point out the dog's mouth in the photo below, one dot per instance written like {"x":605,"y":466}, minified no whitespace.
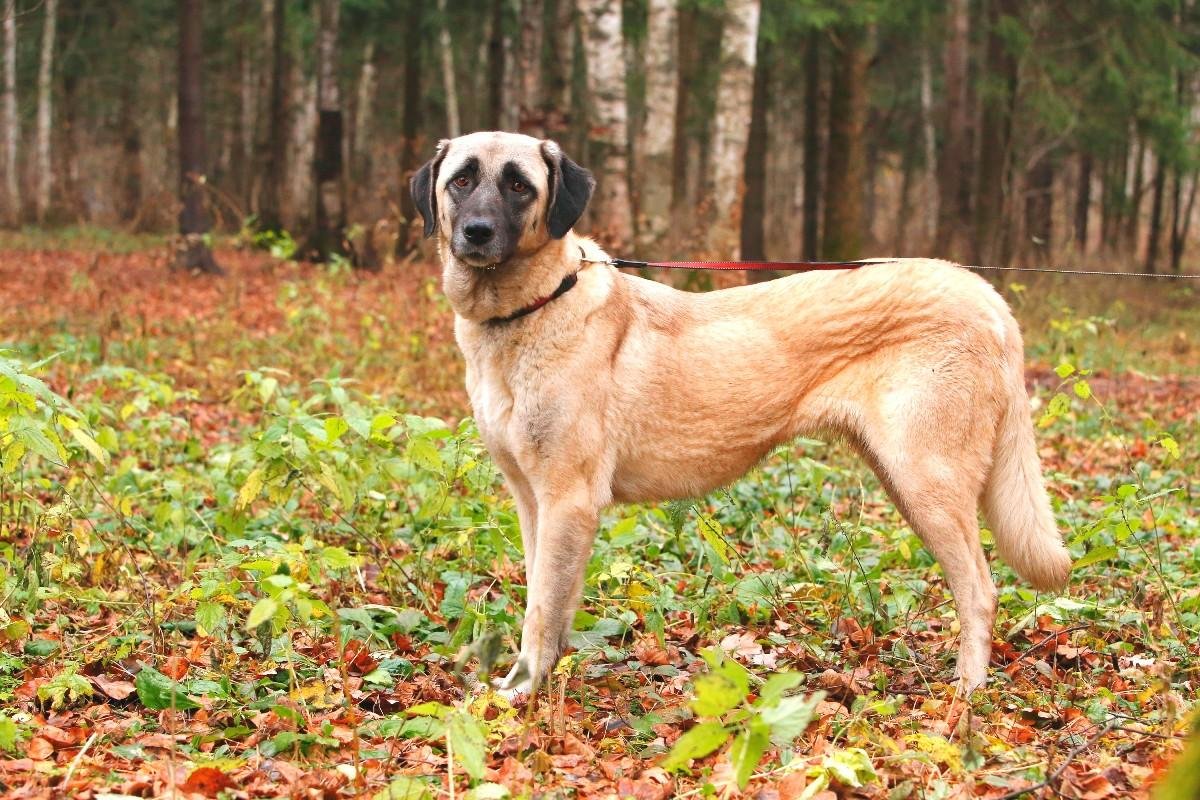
{"x":477,"y":259}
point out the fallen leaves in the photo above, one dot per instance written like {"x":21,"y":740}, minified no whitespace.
{"x":884,"y":665}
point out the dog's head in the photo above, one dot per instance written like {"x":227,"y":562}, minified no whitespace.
{"x":494,"y":195}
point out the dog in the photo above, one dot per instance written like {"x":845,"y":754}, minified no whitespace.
{"x":591,"y":386}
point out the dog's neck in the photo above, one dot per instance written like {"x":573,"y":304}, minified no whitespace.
{"x":481,"y":294}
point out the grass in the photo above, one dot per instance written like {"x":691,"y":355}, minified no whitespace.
{"x":284,"y":535}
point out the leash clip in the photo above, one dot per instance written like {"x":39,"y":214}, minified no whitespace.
{"x":583,"y":259}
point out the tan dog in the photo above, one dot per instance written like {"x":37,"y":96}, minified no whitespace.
{"x":591,"y":386}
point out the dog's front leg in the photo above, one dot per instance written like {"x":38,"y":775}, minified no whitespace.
{"x":566,"y":527}
{"x":527,"y":516}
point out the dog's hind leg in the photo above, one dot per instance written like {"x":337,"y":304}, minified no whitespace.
{"x":938,"y":492}
{"x":566,"y":528}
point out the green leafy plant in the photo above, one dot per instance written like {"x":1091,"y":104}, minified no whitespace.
{"x":722,"y":701}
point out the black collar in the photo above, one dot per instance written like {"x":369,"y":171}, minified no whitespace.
{"x":568,"y":283}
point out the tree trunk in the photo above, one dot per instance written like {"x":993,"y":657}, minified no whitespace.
{"x":193,"y":217}
{"x":608,"y":145}
{"x":41,"y":196}
{"x":1039,"y":207}
{"x":530,"y":117}
{"x":1113,"y":198}
{"x":446,"y":47}
{"x":70,"y":191}
{"x":362,"y":118}
{"x":846,"y":153}
{"x":1176,"y":218}
{"x":731,"y":122}
{"x":953,"y":169}
{"x":754,"y":204}
{"x":1137,"y":191}
{"x":929,"y":140}
{"x":1156,"y":214}
{"x":130,"y":202}
{"x":273,"y":148}
{"x":812,"y":147}
{"x":686,"y":56}
{"x":1083,"y":201}
{"x":496,"y":63}
{"x":12,"y":125}
{"x":904,"y":206}
{"x":659,"y":125}
{"x":248,"y":116}
{"x":329,"y":214}
{"x":409,"y":156}
{"x":995,"y":140}
{"x":1184,"y":225}
{"x":560,"y":45}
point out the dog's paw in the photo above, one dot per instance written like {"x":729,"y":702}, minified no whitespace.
{"x":969,"y":682}
{"x":517,"y":685}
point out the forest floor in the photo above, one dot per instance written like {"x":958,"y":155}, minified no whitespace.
{"x":251,"y":546}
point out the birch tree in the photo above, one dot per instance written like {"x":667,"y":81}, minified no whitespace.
{"x":41,"y":197}
{"x":731,"y":123}
{"x":658,"y":128}
{"x":362,"y":113}
{"x":12,"y":131}
{"x":608,"y":148}
{"x":453,"y":125}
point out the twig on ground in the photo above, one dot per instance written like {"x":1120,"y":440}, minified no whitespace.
{"x":78,"y":757}
{"x":1054,"y":635}
{"x":1057,"y":773}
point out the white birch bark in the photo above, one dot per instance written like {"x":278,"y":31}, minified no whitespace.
{"x":296,"y":201}
{"x":731,"y":127}
{"x":608,"y":135}
{"x":12,"y":131}
{"x":41,"y":196}
{"x":453,"y":124}
{"x":366,"y":97}
{"x":658,"y":128}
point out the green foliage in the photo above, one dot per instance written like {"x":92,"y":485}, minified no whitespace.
{"x":723,"y":696}
{"x":320,"y":507}
{"x":65,"y":688}
{"x":156,"y":691}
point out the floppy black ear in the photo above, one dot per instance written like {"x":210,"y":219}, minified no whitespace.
{"x":570,"y":189}
{"x":423,"y":187}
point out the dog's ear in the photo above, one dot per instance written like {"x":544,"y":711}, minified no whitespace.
{"x":423,"y":187}
{"x":570,"y":189}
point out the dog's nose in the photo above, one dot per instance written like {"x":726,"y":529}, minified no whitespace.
{"x":478,"y":232}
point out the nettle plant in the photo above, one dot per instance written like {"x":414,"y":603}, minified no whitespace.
{"x":43,"y":438}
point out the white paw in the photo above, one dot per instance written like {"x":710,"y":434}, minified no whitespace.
{"x":970,"y":681}
{"x":518,"y":683}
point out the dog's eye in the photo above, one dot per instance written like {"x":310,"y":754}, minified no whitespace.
{"x":518,"y":187}
{"x":462,"y":181}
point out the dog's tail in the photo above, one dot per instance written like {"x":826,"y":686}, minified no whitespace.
{"x":1014,"y":498}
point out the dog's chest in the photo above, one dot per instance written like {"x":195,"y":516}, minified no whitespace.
{"x":506,"y":398}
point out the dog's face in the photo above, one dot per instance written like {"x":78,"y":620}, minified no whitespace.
{"x":495,"y":195}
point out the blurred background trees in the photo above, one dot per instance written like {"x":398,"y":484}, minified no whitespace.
{"x":992,"y":130}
